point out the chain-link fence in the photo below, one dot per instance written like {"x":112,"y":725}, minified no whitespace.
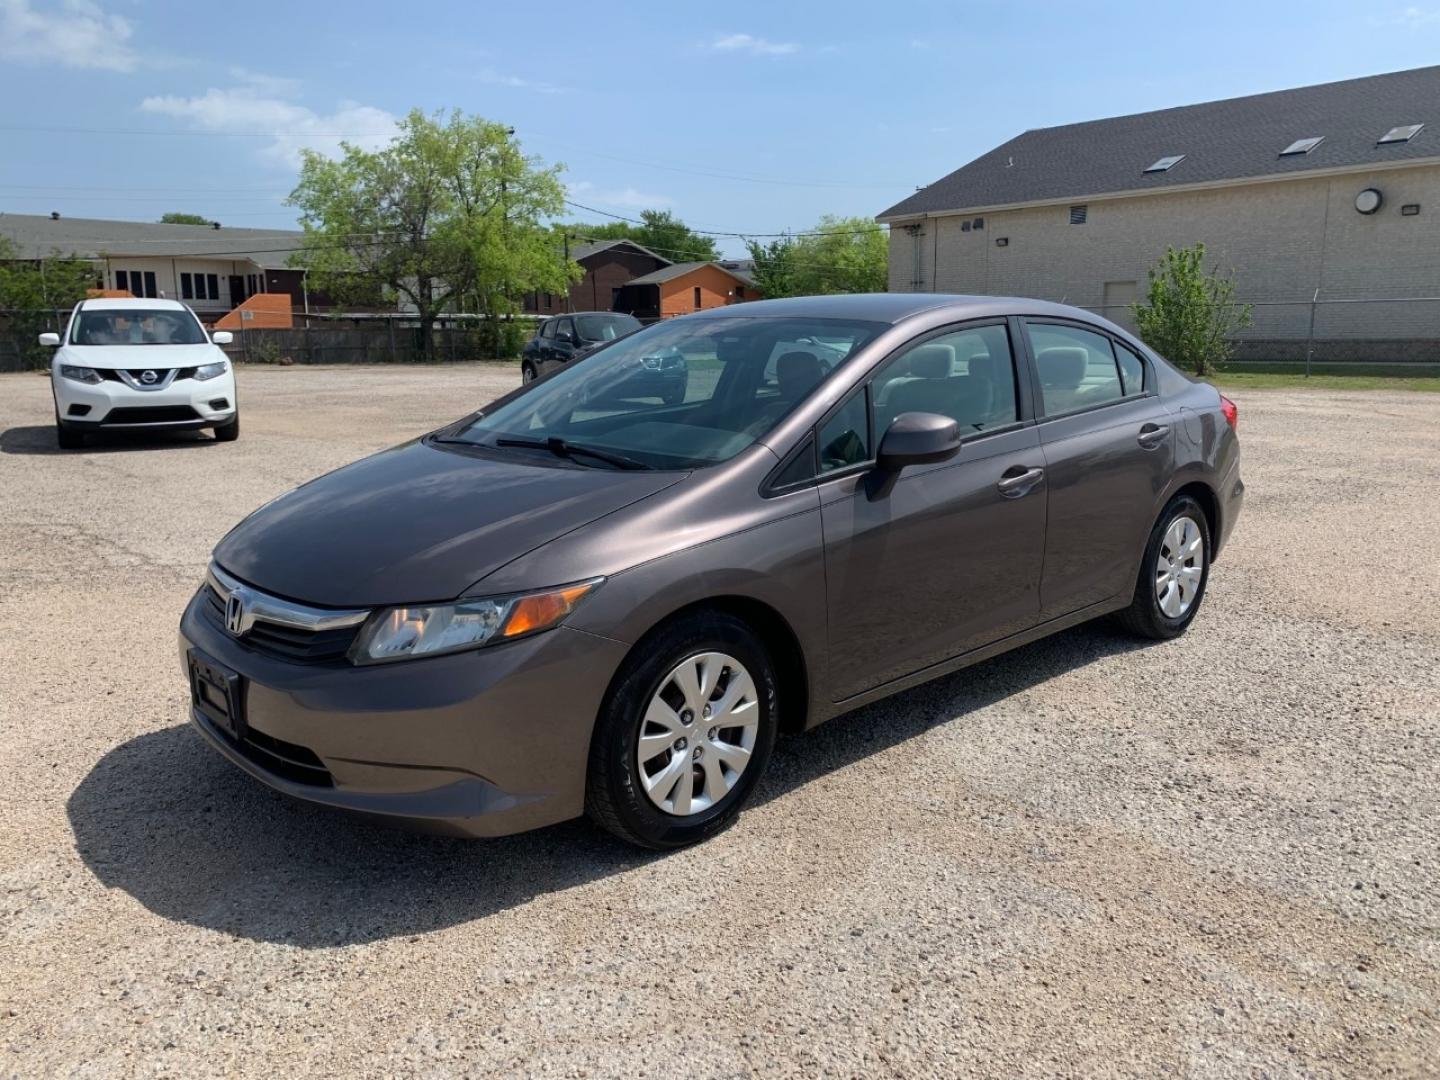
{"x":1360,"y":331}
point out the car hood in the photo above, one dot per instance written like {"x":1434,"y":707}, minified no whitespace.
{"x":419,"y":522}
{"x":135,"y":357}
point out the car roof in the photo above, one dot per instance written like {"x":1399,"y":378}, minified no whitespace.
{"x":129,"y":304}
{"x":894,"y":307}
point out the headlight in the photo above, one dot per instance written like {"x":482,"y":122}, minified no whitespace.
{"x":210,"y":371}
{"x":80,"y":374}
{"x":434,"y":629}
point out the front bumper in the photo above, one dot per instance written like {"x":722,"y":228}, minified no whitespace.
{"x":90,"y":406}
{"x":481,"y":743}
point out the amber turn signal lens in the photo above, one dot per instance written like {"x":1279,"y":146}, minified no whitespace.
{"x":543,"y":609}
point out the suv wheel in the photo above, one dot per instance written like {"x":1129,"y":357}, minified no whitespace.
{"x":67,"y":437}
{"x":228,"y":432}
{"x":685,"y":733}
{"x":527,"y":372}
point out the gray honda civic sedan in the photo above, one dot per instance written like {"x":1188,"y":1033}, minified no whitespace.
{"x":581,"y":599}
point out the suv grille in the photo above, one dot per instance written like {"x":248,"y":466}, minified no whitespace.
{"x":287,"y":640}
{"x":151,"y":414}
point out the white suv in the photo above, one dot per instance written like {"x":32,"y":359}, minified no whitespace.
{"x":140,"y":365}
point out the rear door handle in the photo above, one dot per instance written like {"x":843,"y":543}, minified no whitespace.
{"x":1152,"y":435}
{"x":1019,"y":481}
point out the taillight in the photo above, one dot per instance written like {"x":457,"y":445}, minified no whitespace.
{"x":1232,"y":414}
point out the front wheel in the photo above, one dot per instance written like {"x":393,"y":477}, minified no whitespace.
{"x":684,"y":734}
{"x":527,"y":372}
{"x":1173,"y":573}
{"x":228,"y":432}
{"x":67,"y":437}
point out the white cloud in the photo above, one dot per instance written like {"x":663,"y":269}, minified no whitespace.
{"x":290,"y":125}
{"x":498,"y":78}
{"x":74,"y":34}
{"x":274,"y":85}
{"x":625,"y":197}
{"x":1415,"y":17}
{"x":755,"y":46}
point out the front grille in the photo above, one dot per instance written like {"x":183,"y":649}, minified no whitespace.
{"x":151,"y":414}
{"x":286,"y":642}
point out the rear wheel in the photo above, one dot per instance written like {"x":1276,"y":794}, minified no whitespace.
{"x":685,"y":733}
{"x":228,"y":432}
{"x":1173,"y":573}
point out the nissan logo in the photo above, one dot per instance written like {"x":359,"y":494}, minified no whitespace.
{"x":149,"y":377}
{"x":238,"y":619}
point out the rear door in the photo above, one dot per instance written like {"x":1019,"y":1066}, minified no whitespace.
{"x":950,"y":559}
{"x":1109,"y":452}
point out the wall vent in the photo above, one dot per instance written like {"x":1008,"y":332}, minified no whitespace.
{"x":1077,"y":214}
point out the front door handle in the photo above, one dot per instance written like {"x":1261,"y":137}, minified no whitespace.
{"x":1019,"y":481}
{"x":1152,"y":435}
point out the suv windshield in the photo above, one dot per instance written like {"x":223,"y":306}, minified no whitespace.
{"x":136,"y":326}
{"x":676,"y":395}
{"x":605,"y":327}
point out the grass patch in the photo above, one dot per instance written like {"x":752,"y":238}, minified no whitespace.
{"x":1422,"y":379}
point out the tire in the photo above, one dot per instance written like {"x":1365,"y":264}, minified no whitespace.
{"x":1146,"y":616}
{"x":67,"y":437}
{"x":673,"y":395}
{"x":228,"y":432}
{"x":616,"y":795}
{"x":527,"y":373}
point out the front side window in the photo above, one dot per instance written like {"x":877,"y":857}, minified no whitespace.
{"x":547,"y":330}
{"x":565,"y":330}
{"x":845,"y":437}
{"x":968,"y":375}
{"x":675,"y":395}
{"x":136,"y":326}
{"x":1076,"y":367}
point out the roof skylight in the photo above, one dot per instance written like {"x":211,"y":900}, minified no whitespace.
{"x":1302,"y":146}
{"x":1165,"y":164}
{"x":1403,"y":133}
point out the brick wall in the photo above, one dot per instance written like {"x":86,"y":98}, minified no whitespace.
{"x":1282,"y":240}
{"x":677,"y":296}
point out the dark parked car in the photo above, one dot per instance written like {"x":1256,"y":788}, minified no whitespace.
{"x":564,"y":338}
{"x":575,"y":602}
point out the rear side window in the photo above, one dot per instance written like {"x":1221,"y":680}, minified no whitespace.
{"x":547,"y":330}
{"x":1076,"y":367}
{"x":1132,"y":370}
{"x":968,"y":375}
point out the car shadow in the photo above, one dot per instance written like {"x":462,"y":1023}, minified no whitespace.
{"x":41,"y":440}
{"x":194,"y":840}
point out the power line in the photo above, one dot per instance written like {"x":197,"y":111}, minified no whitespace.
{"x":734,"y":235}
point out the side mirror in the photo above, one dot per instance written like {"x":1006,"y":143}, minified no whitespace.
{"x":913,"y":438}
{"x":52,"y":340}
{"x":222,"y":337}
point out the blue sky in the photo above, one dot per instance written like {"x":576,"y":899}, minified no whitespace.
{"x":738,"y":117}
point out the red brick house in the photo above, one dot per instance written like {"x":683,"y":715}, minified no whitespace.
{"x":609,"y":265}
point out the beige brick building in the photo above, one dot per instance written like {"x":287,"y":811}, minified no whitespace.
{"x":1079,"y":214}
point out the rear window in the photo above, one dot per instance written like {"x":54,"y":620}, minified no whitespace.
{"x":136,"y":326}
{"x":606,"y":327}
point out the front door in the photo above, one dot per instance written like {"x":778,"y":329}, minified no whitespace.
{"x":950,"y":559}
{"x":1109,"y":452}
{"x":237,"y":290}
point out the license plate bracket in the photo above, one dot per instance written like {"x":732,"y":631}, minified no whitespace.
{"x":217,"y":694}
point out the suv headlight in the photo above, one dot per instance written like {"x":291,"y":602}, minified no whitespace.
{"x":210,"y":371}
{"x":398,"y":633}
{"x":80,"y":374}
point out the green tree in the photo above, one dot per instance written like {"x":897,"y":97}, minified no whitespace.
{"x":659,"y":230}
{"x":449,"y":213}
{"x":183,"y":219}
{"x":840,"y":255}
{"x":36,"y":295}
{"x":1189,"y":316}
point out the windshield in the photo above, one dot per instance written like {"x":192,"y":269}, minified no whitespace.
{"x":605,"y":327}
{"x":137,"y":326}
{"x":676,"y":395}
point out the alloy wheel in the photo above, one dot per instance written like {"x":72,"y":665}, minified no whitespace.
{"x":698,"y":733}
{"x":1179,"y":567}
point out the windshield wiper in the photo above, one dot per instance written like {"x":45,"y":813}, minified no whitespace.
{"x":560,"y":448}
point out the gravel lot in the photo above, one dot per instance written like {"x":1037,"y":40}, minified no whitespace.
{"x":1215,"y":857}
